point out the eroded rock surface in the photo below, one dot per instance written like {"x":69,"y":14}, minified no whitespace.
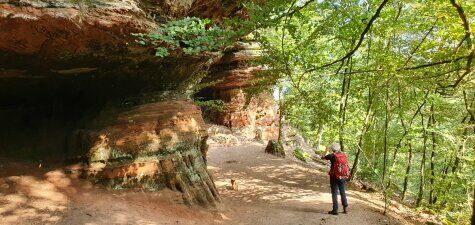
{"x":155,"y":146}
{"x":74,"y":36}
{"x":49,"y":44}
{"x":254,"y":116}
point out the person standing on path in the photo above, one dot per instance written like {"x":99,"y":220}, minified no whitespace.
{"x":338,"y":175}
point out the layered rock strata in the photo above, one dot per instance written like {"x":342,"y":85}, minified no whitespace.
{"x":253,"y":115}
{"x":154,"y":146}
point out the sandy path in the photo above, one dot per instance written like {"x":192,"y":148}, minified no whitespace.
{"x":271,"y":191}
{"x":280,"y":191}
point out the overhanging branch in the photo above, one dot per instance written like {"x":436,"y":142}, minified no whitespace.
{"x":360,"y":40}
{"x":469,"y":37}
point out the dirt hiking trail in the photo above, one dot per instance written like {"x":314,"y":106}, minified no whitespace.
{"x":271,"y":191}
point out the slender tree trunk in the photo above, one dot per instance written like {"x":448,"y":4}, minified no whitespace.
{"x":392,"y":166}
{"x":446,"y":168}
{"x":408,"y":167}
{"x":471,"y":111}
{"x":457,"y":158}
{"x":281,"y":116}
{"x":432,"y":198}
{"x":449,"y":164}
{"x":408,"y":171}
{"x":386,"y":124}
{"x":366,"y":123}
{"x":454,"y":166}
{"x":342,"y":106}
{"x":399,"y":144}
{"x":460,"y":152}
{"x":373,"y":156}
{"x":385,"y":160}
{"x":406,"y":132}
{"x":423,"y":161}
{"x":345,"y":90}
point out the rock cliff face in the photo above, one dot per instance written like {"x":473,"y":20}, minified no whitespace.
{"x":78,"y":36}
{"x":56,"y":43}
{"x":74,"y":85}
{"x":254,"y":115}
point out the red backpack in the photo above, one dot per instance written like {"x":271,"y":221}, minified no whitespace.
{"x":340,"y":168}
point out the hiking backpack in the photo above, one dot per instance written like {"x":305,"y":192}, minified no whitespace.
{"x":340,"y":168}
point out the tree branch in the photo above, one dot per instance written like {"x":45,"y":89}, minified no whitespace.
{"x":433,"y":63}
{"x":360,"y":40}
{"x":295,"y":10}
{"x":420,"y":43}
{"x":469,"y":37}
{"x":412,"y":68}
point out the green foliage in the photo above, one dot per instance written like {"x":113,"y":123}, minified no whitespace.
{"x":394,"y":97}
{"x":191,"y":35}
{"x":217,"y":105}
{"x":399,"y":90}
{"x":301,"y":155}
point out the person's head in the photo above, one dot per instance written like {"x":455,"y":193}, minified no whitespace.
{"x":335,"y":147}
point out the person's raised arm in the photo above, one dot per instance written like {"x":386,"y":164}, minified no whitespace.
{"x":324,"y":154}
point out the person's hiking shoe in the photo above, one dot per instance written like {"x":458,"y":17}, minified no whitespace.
{"x":345,"y":210}
{"x":333,"y":212}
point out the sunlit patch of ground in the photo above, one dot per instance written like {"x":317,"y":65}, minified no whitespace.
{"x":32,"y":195}
{"x":32,"y":200}
{"x":271,"y":190}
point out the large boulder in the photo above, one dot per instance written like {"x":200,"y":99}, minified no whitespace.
{"x":154,"y":146}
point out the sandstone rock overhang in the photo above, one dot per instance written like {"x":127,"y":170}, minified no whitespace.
{"x":66,"y":39}
{"x":73,"y":84}
{"x":43,"y":36}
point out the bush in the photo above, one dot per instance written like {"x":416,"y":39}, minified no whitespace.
{"x":301,"y":155}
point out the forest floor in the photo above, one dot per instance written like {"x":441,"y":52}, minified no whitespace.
{"x":271,"y":191}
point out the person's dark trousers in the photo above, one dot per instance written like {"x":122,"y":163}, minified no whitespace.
{"x":338,"y":185}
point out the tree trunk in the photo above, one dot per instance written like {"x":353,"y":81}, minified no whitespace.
{"x":385,"y":160}
{"x":449,"y":164}
{"x":406,"y":131}
{"x":471,"y":111}
{"x":461,"y":150}
{"x":423,"y":161}
{"x":386,"y":124}
{"x":408,"y":170}
{"x":345,"y":90}
{"x":281,"y":116}
{"x":366,"y":123}
{"x":432,"y":198}
{"x":454,"y":166}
